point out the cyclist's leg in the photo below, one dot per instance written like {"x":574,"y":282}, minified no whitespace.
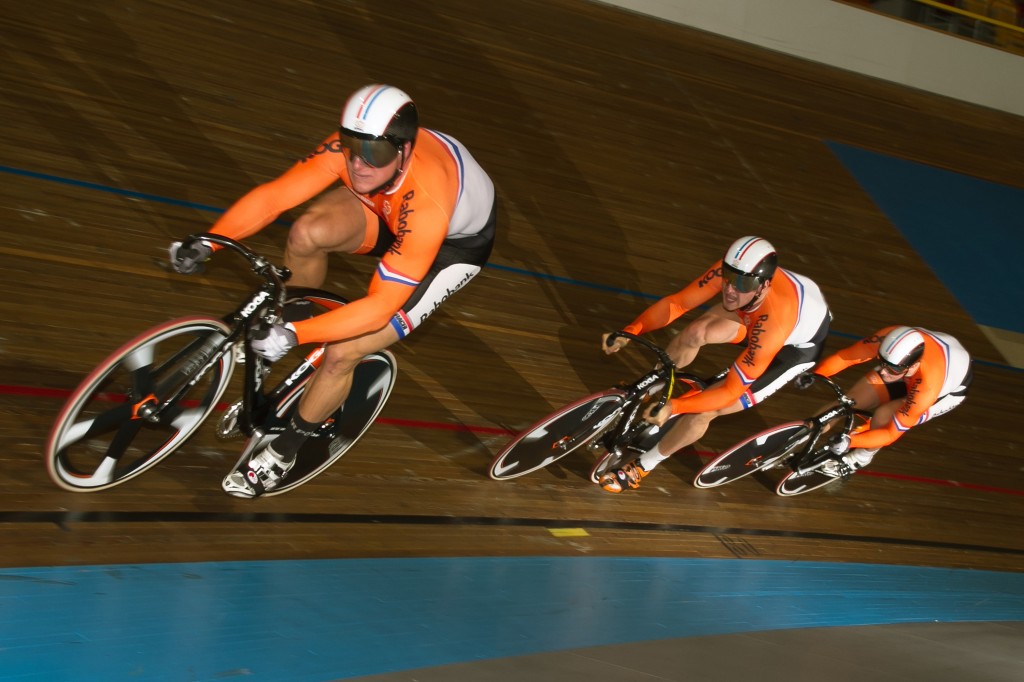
{"x":457,"y":262}
{"x":885,"y":400}
{"x":329,"y":387}
{"x":337,"y":222}
{"x":716,"y":326}
{"x":881,"y":399}
{"x":330,"y":384}
{"x":689,"y":428}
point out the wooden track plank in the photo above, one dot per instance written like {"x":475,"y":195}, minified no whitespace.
{"x":626,"y":153}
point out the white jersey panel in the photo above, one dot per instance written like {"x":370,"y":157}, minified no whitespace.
{"x":476,"y":191}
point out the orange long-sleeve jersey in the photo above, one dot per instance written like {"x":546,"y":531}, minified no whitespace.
{"x":791,"y":312}
{"x":442,"y":193}
{"x":943,"y":367}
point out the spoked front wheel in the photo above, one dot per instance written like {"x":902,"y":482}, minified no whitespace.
{"x":102,"y":437}
{"x":753,"y":454}
{"x":558,"y":434}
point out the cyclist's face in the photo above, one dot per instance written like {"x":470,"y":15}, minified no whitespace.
{"x":734,"y":299}
{"x":889,"y":375}
{"x":366,"y":178}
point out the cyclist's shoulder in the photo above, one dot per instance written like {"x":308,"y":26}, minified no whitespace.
{"x":328,"y":151}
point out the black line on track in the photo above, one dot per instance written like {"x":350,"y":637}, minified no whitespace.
{"x":63,"y":518}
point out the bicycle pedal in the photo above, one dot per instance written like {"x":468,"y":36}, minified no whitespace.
{"x":228,"y":427}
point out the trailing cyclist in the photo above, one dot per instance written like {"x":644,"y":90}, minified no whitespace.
{"x":411,"y":196}
{"x":780,"y":316}
{"x":920,"y":375}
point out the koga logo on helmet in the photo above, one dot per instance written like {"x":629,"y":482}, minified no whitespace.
{"x":254,"y":304}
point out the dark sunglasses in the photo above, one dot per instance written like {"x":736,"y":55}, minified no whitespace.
{"x":891,"y":369}
{"x":375,"y":152}
{"x":741,"y":282}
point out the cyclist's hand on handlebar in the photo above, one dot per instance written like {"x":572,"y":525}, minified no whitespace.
{"x":804,"y":381}
{"x":615,"y":346}
{"x":657,"y":416}
{"x":839,"y":444}
{"x":275,"y":341}
{"x":189,"y":261}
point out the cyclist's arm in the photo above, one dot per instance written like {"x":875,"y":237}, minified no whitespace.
{"x":263,"y":204}
{"x":398,"y":274}
{"x":749,"y":366}
{"x":922,"y":392}
{"x":673,"y":306}
{"x":723,"y":395}
{"x":863,"y":351}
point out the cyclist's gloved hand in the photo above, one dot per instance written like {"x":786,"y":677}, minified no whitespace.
{"x":804,"y":381}
{"x":839,"y":444}
{"x":275,"y":341}
{"x":189,"y":261}
{"x":657,"y":416}
{"x":615,"y":346}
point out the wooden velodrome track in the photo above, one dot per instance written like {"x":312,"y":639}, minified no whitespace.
{"x":627,"y":153}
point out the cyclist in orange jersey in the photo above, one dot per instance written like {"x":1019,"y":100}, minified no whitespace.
{"x":919,"y":375}
{"x":782,"y":318}
{"x":411,"y":196}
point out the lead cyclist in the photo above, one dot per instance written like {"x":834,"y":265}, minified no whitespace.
{"x":413,"y":197}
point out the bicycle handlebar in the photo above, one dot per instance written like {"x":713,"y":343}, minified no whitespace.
{"x":260,"y":265}
{"x":662,"y":355}
{"x":840,"y":394}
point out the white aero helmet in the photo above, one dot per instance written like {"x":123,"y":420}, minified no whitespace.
{"x":901,"y":348}
{"x":748,"y":263}
{"x":376,"y":122}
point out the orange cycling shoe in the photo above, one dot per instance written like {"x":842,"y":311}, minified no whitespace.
{"x":628,"y":476}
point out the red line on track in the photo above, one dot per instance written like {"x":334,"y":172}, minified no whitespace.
{"x":61,"y":393}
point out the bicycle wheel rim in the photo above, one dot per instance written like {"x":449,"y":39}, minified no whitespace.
{"x":534,"y":448}
{"x":753,"y":454}
{"x":97,"y":443}
{"x":373,"y":381}
{"x":796,"y":484}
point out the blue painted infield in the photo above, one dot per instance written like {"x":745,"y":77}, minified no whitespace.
{"x":331,"y":619}
{"x":969,"y":231}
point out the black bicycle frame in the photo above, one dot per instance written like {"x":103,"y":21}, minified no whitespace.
{"x":264,"y":305}
{"x":806,"y":459}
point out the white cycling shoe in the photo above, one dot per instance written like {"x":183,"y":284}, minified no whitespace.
{"x":261,"y":473}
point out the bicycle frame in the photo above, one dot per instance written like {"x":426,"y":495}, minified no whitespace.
{"x":811,"y":456}
{"x":265,"y":305}
{"x":630,"y":427}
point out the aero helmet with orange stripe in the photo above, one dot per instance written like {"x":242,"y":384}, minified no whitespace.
{"x":376,"y":122}
{"x":900,"y":349}
{"x":748,"y":263}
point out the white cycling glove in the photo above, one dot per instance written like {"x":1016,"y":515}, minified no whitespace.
{"x":804,"y":381}
{"x":839,"y":444}
{"x":274,"y":342}
{"x":189,"y":261}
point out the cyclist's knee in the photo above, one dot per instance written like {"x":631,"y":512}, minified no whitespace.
{"x":698,"y":420}
{"x":690,"y":339}
{"x":319,"y":230}
{"x":340,"y":359}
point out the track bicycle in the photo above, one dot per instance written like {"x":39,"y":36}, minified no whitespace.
{"x":151,"y":395}
{"x":798,"y":447}
{"x":608,"y":423}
